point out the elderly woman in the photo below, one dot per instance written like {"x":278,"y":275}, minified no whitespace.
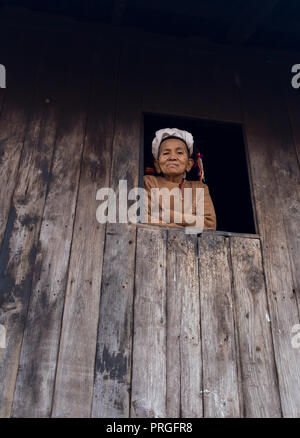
{"x":172,"y":149}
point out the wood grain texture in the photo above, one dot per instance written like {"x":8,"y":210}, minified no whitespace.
{"x":285,"y":162}
{"x":41,"y":338}
{"x":273,"y":172}
{"x":184,"y":362}
{"x":20,"y":207}
{"x":23,"y":69}
{"x":220,"y":374}
{"x":30,"y":192}
{"x":125,"y":320}
{"x":292,"y":100}
{"x":114,"y":344}
{"x":148,"y":397}
{"x":290,"y":172}
{"x":259,"y":374}
{"x":75,"y":369}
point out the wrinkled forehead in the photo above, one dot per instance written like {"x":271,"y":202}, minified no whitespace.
{"x":173,"y":143}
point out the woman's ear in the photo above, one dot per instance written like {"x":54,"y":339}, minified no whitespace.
{"x":157,"y":167}
{"x":190,"y":164}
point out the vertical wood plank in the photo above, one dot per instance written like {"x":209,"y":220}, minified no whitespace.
{"x":174,"y":313}
{"x":19,"y":172}
{"x":272,"y":163}
{"x":75,"y":369}
{"x":184,"y":362}
{"x":114,"y":345}
{"x":111,"y":396}
{"x":285,"y":163}
{"x":149,"y":342}
{"x":292,"y":100}
{"x":259,"y":378}
{"x":22,"y":68}
{"x":220,"y":375}
{"x":36,"y":375}
{"x":33,"y":176}
{"x":290,"y":172}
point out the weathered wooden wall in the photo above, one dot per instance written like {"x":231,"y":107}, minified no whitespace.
{"x":124,"y":320}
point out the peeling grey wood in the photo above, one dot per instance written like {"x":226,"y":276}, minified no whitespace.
{"x":20,"y":205}
{"x":75,"y":369}
{"x":290,"y":176}
{"x":174,"y":313}
{"x":220,"y":375}
{"x":15,"y":114}
{"x":111,"y":396}
{"x":184,"y":362}
{"x":41,"y":338}
{"x":258,"y":369}
{"x":29,"y":198}
{"x":15,"y":110}
{"x":266,"y":142}
{"x":292,"y":100}
{"x":148,"y":391}
{"x":286,"y":170}
{"x":114,"y":345}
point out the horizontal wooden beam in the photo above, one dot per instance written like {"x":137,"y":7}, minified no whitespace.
{"x":214,"y":232}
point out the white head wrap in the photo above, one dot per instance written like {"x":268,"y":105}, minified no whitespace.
{"x":162,"y":133}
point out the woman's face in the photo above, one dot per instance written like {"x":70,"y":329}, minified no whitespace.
{"x":173,"y":158}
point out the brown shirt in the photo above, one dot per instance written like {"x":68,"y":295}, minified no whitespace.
{"x":210,"y":222}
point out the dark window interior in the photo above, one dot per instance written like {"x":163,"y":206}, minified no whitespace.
{"x":224,"y":162}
